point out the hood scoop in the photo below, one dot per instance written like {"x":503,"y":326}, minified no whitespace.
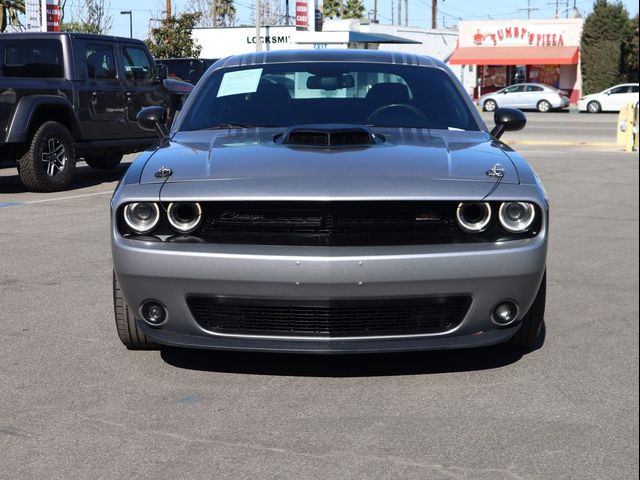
{"x":311,"y":136}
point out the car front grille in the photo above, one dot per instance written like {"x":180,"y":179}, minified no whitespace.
{"x":330,"y":223}
{"x":329,"y":318}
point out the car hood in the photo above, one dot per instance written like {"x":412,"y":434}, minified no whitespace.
{"x":251,"y":164}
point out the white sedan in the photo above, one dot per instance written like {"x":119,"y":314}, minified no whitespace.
{"x":538,"y":96}
{"x":610,"y":100}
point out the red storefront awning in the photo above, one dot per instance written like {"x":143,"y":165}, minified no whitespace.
{"x":515,"y":56}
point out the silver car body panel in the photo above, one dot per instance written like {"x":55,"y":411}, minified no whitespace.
{"x":223,"y":165}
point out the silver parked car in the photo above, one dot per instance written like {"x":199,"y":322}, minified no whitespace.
{"x":329,"y":201}
{"x":538,"y":96}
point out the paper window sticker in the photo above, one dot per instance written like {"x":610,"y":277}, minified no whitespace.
{"x":241,"y":81}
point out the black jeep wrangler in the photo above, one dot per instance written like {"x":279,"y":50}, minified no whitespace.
{"x":66,"y":96}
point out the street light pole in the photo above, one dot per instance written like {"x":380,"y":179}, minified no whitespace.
{"x":128,"y":12}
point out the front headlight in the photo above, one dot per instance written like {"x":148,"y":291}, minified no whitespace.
{"x":516,"y":217}
{"x":474,"y":217}
{"x":184,"y":217}
{"x":142,"y":217}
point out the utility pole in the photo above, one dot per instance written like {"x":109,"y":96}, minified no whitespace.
{"x":168,"y":9}
{"x":258,"y":41}
{"x":375,"y":11}
{"x":392,"y":19}
{"x":434,"y":14}
{"x":557,"y":4}
{"x":400,"y":12}
{"x":214,"y":13}
{"x":529,"y":9}
{"x":406,"y":13}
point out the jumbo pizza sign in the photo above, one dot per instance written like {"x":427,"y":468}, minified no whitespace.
{"x":529,"y":33}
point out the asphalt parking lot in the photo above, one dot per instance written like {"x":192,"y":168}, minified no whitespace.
{"x":74,"y":403}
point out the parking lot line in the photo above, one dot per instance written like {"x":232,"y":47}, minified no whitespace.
{"x":55,"y":199}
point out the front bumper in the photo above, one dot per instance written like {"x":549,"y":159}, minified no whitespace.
{"x":488,"y":273}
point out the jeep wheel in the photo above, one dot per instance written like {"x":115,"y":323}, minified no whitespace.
{"x":106,"y":161}
{"x":527,"y":336}
{"x":50,"y":162}
{"x":129,"y":333}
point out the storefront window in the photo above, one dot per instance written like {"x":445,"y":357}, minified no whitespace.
{"x":493,"y":76}
{"x":547,"y":74}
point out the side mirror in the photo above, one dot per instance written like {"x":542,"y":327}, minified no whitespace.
{"x":507,"y":120}
{"x":162,"y":71}
{"x":153,"y":119}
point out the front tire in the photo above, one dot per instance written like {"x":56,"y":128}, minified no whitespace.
{"x":490,"y":106}
{"x":544,"y":106}
{"x":49,"y":163}
{"x":107,"y":161}
{"x":594,"y":107}
{"x":528,"y":335}
{"x":129,"y":333}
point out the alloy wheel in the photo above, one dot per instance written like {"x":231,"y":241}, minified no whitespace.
{"x":54,"y":156}
{"x":593,"y":107}
{"x":489,"y":105}
{"x":544,"y":106}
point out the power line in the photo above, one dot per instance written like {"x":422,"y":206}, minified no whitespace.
{"x":529,"y":9}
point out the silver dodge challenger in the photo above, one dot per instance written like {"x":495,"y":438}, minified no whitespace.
{"x":329,"y":202}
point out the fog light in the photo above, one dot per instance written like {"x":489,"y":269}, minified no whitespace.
{"x":153,"y":312}
{"x":505,"y":312}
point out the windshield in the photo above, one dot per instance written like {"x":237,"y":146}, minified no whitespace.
{"x":281,"y":95}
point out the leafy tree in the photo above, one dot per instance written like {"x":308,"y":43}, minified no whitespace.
{"x":9,"y":10}
{"x":92,"y":17}
{"x":172,"y":39}
{"x":353,"y":9}
{"x":332,"y":8}
{"x":630,"y":53}
{"x":225,"y":12}
{"x":605,"y":33}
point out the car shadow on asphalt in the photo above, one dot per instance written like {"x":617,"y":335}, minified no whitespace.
{"x":83,"y":177}
{"x":354,"y":365}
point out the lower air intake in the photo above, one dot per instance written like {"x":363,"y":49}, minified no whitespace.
{"x":329,"y":318}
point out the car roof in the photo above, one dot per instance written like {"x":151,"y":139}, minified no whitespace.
{"x":183,"y":59}
{"x":347,"y":55}
{"x":87,"y":36}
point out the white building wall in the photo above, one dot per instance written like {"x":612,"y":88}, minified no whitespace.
{"x":440,"y":44}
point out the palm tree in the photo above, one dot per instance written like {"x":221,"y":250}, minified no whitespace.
{"x":9,"y":10}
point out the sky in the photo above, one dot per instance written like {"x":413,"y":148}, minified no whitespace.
{"x":450,"y":11}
